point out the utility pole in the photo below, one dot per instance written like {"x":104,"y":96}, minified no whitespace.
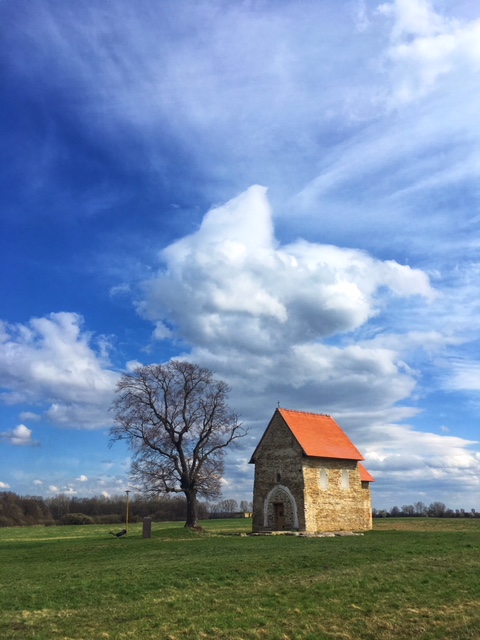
{"x":128,"y":502}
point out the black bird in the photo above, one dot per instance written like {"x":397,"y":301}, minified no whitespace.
{"x":121,"y":533}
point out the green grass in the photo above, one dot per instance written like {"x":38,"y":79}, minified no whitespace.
{"x":416,"y":578}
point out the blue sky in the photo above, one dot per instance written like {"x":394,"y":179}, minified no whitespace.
{"x":285,"y":192}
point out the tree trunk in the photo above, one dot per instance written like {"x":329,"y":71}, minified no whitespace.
{"x":192,"y":515}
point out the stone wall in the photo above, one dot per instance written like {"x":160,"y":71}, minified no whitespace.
{"x":335,"y":497}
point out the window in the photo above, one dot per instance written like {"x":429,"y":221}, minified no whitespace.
{"x":345,"y":479}
{"x":279,"y":476}
{"x":323,"y":479}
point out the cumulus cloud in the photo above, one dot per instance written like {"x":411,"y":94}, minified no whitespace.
{"x":231,"y":284}
{"x":21,"y":436}
{"x":250,"y":308}
{"x":82,"y":478}
{"x":51,"y":361}
{"x":4,"y":485}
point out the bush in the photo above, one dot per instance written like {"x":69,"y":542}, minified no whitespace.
{"x":76,"y":518}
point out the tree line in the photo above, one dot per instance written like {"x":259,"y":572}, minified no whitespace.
{"x":19,"y":511}
{"x":421,"y":510}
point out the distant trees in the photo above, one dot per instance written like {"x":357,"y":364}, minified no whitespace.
{"x":19,"y":511}
{"x":226,"y":506}
{"x":419,"y":509}
{"x":176,"y":420}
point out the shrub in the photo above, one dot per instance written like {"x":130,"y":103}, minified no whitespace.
{"x":76,"y":518}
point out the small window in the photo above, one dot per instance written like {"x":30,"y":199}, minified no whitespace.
{"x":345,"y":479}
{"x":323,"y":479}
{"x":279,"y":476}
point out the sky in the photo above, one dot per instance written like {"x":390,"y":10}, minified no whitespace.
{"x":286,"y":192}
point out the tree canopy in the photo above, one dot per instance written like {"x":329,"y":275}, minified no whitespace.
{"x":176,"y":419}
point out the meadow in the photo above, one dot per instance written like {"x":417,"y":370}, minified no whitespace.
{"x":408,"y":578}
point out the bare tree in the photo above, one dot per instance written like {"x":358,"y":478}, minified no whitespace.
{"x":420,"y":508}
{"x":176,"y":419}
{"x":437,"y":510}
{"x":228,"y":506}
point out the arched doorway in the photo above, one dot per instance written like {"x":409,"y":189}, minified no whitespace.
{"x":280,"y":510}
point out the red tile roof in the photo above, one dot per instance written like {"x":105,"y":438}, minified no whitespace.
{"x":320,"y":436}
{"x":364,"y":475}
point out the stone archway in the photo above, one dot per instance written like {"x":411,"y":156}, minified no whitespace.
{"x":280,"y":509}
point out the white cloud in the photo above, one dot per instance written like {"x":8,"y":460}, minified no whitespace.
{"x":82,"y":478}
{"x":29,"y":415}
{"x":21,"y":436}
{"x":51,"y":361}
{"x":231,"y":285}
{"x":251,"y":308}
{"x":122,"y":289}
{"x":426,"y":45}
{"x":53,"y":489}
{"x":463,"y":375}
{"x":4,"y":485}
{"x":406,"y":462}
{"x":131,"y":365}
{"x":38,"y":483}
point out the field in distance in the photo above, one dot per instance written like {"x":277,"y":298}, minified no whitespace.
{"x":409,"y":578}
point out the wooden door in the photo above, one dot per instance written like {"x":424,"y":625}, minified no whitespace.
{"x":279,"y":516}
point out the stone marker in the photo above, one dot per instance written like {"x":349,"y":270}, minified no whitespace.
{"x":147,"y":527}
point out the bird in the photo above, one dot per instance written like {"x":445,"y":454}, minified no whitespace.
{"x":121,"y":533}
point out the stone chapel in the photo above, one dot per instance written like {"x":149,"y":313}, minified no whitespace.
{"x":308,"y":477}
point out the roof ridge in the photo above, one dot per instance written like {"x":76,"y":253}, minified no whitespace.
{"x":310,"y":413}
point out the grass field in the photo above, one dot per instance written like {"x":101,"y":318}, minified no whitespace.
{"x":416,"y":578}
